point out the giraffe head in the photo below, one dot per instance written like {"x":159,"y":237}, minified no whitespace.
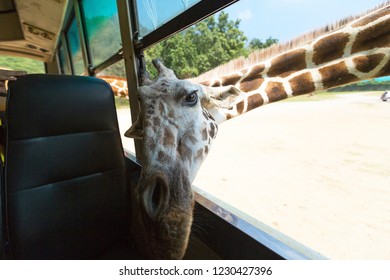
{"x":177,"y":123}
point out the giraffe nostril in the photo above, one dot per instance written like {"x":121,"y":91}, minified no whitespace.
{"x":156,"y":196}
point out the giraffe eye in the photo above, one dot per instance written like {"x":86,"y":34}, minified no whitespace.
{"x":191,"y":98}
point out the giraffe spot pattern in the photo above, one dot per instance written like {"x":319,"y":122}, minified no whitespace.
{"x":156,"y":121}
{"x":168,"y":139}
{"x":335,"y":75}
{"x":288,"y":63}
{"x":367,"y":63}
{"x":185,"y":151}
{"x":205,"y":135}
{"x":302,"y":84}
{"x":212,"y":130}
{"x":275,"y":91}
{"x":254,"y":101}
{"x":253,"y":79}
{"x":330,"y":47}
{"x":199,"y":154}
{"x":377,"y":36}
{"x":230,"y":80}
{"x":385,"y":71}
{"x":162,"y":157}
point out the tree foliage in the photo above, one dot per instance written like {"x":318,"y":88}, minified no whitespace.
{"x":201,"y":47}
{"x":256,"y":43}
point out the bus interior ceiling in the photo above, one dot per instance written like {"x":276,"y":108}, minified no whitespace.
{"x":32,"y":28}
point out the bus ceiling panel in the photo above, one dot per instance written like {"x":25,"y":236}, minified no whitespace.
{"x":40,"y":22}
{"x":6,"y":6}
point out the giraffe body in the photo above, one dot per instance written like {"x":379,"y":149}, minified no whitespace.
{"x":118,"y":85}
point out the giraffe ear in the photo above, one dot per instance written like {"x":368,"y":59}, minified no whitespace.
{"x":223,"y":97}
{"x":136,"y":130}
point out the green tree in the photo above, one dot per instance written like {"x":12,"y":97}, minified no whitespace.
{"x":201,"y":47}
{"x":256,"y":43}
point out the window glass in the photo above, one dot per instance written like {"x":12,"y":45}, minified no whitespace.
{"x":154,"y":13}
{"x":102,"y":24}
{"x":76,"y":55}
{"x":315,"y":167}
{"x":64,"y":61}
{"x":116,"y":77}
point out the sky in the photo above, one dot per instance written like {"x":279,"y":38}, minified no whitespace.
{"x":287,"y":19}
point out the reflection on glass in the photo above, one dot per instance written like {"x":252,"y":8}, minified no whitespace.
{"x":64,"y":63}
{"x":154,"y":13}
{"x":115,"y":75}
{"x":75,"y":49}
{"x":102,"y":28}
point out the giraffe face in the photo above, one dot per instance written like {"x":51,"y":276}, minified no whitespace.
{"x":176,"y":134}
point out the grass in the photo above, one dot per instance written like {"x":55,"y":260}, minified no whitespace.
{"x":22,"y":64}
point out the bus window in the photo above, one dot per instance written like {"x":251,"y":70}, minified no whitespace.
{"x":64,"y":60}
{"x":152,"y":14}
{"x":315,"y":168}
{"x":102,"y":28}
{"x":116,"y":77}
{"x":76,"y":55}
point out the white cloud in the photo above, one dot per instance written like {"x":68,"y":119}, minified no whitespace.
{"x":245,"y":14}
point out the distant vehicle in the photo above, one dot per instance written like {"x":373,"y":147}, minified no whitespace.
{"x":386,"y":96}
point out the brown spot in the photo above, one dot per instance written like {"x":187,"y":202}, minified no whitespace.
{"x":161,"y":108}
{"x":206,"y":83}
{"x":275,"y":91}
{"x":385,"y":71}
{"x":228,"y":117}
{"x":168,"y":139}
{"x":162,"y":157}
{"x":285,"y":64}
{"x":171,"y":114}
{"x":204,"y":134}
{"x":206,"y":150}
{"x":231,"y":79}
{"x":216,"y":83}
{"x":253,"y":80}
{"x":156,"y":121}
{"x":254,"y":101}
{"x":240,"y":107}
{"x":367,"y":63}
{"x":330,"y":48}
{"x":372,"y":17}
{"x":212,"y":130}
{"x":150,"y":143}
{"x":199,"y":154}
{"x":336,"y":75}
{"x":376,"y":36}
{"x":185,"y":152}
{"x":302,"y":84}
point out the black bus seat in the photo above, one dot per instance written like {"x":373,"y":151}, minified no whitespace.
{"x":65,"y":182}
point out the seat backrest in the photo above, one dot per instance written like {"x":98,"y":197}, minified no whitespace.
{"x":66,"y":194}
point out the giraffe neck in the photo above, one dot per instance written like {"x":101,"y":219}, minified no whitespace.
{"x":358,"y":51}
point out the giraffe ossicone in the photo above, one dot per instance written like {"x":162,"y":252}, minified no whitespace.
{"x":177,"y":124}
